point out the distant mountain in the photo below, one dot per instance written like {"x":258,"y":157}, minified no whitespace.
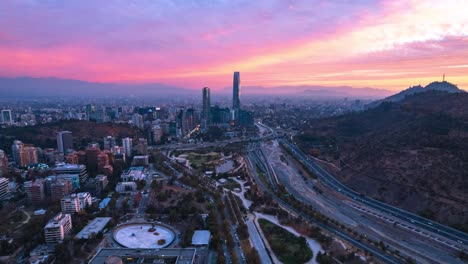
{"x":47,"y":87}
{"x":411,"y":153}
{"x":434,"y":86}
{"x":319,"y":92}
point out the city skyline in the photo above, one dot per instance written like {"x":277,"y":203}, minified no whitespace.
{"x":379,"y":44}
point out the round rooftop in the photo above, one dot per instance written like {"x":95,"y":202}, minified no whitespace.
{"x":144,"y":235}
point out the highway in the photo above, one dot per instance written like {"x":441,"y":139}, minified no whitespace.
{"x":330,"y":181}
{"x":376,"y":252}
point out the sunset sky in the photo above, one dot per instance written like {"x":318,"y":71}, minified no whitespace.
{"x":196,"y":43}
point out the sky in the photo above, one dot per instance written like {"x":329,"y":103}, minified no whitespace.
{"x":195,"y":43}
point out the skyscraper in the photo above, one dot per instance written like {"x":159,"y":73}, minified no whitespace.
{"x":206,"y":111}
{"x":7,"y":118}
{"x":64,"y":141}
{"x":236,"y":91}
{"x":127,"y":146}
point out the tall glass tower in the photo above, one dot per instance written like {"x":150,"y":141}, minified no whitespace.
{"x":236,"y":91}
{"x":206,"y":115}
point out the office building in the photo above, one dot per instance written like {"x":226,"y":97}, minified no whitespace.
{"x":127,"y":144}
{"x":236,"y":91}
{"x":137,"y":120}
{"x":64,"y":141}
{"x":64,"y":168}
{"x":35,"y":190}
{"x":4,"y":189}
{"x":73,"y":178}
{"x":70,"y":204}
{"x":109,"y":142}
{"x":57,"y":228}
{"x":7,"y":117}
{"x":206,"y":108}
{"x":3,"y":163}
{"x":60,"y":188}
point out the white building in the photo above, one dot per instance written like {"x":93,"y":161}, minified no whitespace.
{"x":85,"y":199}
{"x":125,"y":187}
{"x":127,"y":144}
{"x":57,"y":228}
{"x":70,"y":204}
{"x":4,"y":189}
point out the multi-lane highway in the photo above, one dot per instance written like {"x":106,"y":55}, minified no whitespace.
{"x":458,"y":238}
{"x":252,"y":163}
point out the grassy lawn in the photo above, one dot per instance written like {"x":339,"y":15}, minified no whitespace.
{"x":197,"y":159}
{"x":289,"y":248}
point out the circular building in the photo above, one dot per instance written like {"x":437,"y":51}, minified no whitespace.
{"x":144,"y":235}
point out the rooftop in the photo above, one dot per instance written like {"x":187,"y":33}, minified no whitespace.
{"x":201,"y":237}
{"x":183,"y":255}
{"x":94,"y":226}
{"x":57,"y":221}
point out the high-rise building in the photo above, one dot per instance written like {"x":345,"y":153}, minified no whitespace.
{"x":60,"y":188}
{"x":7,"y":117}
{"x":206,"y":108}
{"x":17,"y":149}
{"x":137,"y":120}
{"x":4,"y":189}
{"x":23,"y":154}
{"x":85,"y":199}
{"x":73,"y":169}
{"x":70,"y":204}
{"x":236,"y":90}
{"x":127,"y":144}
{"x":3,"y":163}
{"x":157,"y":133}
{"x":90,"y":110}
{"x":109,"y":142}
{"x":102,"y":161}
{"x":57,"y":228}
{"x":31,"y":155}
{"x":189,"y":121}
{"x":35,"y":190}
{"x":142,"y":146}
{"x":64,"y":141}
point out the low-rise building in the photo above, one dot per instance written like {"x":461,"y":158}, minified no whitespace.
{"x":125,"y":187}
{"x":93,"y":228}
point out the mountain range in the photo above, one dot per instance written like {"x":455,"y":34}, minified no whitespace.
{"x":47,"y":87}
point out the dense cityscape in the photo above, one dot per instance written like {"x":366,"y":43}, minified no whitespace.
{"x":233,"y":132}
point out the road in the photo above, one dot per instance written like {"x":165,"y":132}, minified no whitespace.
{"x":459,"y":238}
{"x":376,"y":252}
{"x":258,"y":242}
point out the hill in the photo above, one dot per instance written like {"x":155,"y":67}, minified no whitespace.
{"x":434,"y":86}
{"x":84,"y":132}
{"x":412,"y":153}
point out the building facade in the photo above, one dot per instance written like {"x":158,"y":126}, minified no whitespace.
{"x":57,"y":228}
